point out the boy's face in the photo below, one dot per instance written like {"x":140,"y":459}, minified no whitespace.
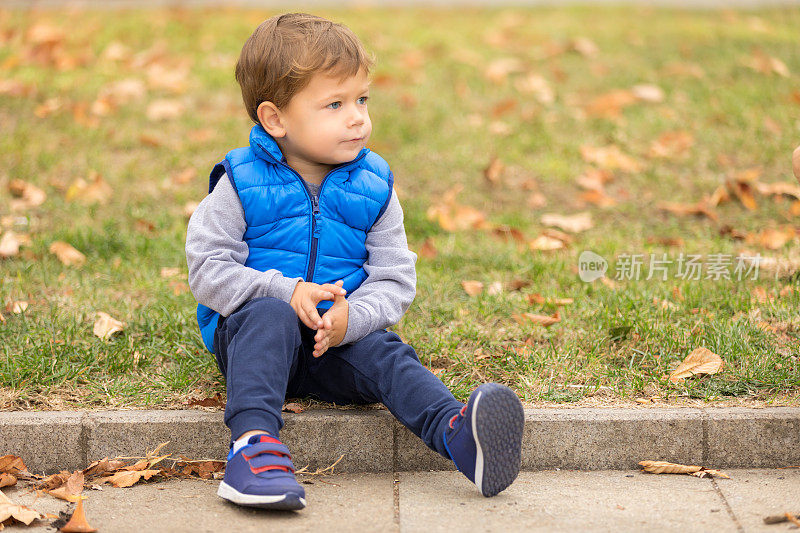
{"x":327,"y":123}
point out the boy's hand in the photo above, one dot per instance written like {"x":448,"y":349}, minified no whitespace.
{"x":306,"y":297}
{"x":335,"y":325}
{"x":796,"y":163}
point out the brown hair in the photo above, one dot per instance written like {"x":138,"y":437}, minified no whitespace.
{"x":285,"y":51}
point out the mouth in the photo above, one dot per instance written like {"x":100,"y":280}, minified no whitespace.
{"x":359,"y":139}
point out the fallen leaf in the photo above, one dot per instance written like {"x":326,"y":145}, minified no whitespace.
{"x":609,"y":158}
{"x":184,"y":176}
{"x":71,"y":490}
{"x":105,"y":326}
{"x":17,"y":307}
{"x":494,"y":171}
{"x":20,"y":513}
{"x":498,"y":70}
{"x":204,"y":469}
{"x":584,"y":46}
{"x":428,"y":249}
{"x":598,"y":198}
{"x":170,"y":272}
{"x":537,"y":298}
{"x":128,"y":478}
{"x":663,"y":467}
{"x":77,"y":522}
{"x":102,"y":466}
{"x":671,"y":144}
{"x":164,"y":110}
{"x":648,"y":93}
{"x":495,"y":288}
{"x":293,"y":407}
{"x":698,"y":209}
{"x":700,"y":361}
{"x":765,"y":64}
{"x":453,"y":216}
{"x":9,"y":244}
{"x":26,"y":195}
{"x":536,"y":85}
{"x":67,"y":254}
{"x":7,"y":480}
{"x":574,"y":223}
{"x":611,"y":104}
{"x":781,"y":188}
{"x":796,"y":163}
{"x":776,"y":238}
{"x":211,"y":401}
{"x":594,"y":179}
{"x":546,"y":243}
{"x":472,"y":287}
{"x":544,"y":320}
{"x":94,"y":191}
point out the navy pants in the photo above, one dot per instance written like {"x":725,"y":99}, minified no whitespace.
{"x":265,"y":353}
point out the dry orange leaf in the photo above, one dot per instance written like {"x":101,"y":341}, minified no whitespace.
{"x":536,"y":85}
{"x":494,"y":171}
{"x":594,"y":179}
{"x":472,"y":287}
{"x":598,"y":198}
{"x":26,"y":195}
{"x":452,"y":216}
{"x":700,"y":209}
{"x":20,"y":513}
{"x":9,"y":244}
{"x":796,"y":163}
{"x":94,"y":191}
{"x":780,"y":188}
{"x":546,"y":243}
{"x":293,"y":407}
{"x":544,"y":320}
{"x":663,"y":467}
{"x":128,"y":478}
{"x":428,"y":249}
{"x":7,"y":480}
{"x":574,"y":223}
{"x":67,"y":254}
{"x":498,"y":70}
{"x":671,"y":144}
{"x":648,"y":93}
{"x":700,"y":361}
{"x":77,"y":522}
{"x":17,"y":307}
{"x":164,"y":110}
{"x":610,"y":105}
{"x":609,"y":158}
{"x":71,"y":490}
{"x":105,"y":326}
{"x":776,"y":238}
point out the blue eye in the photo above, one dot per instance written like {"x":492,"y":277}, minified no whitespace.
{"x":335,"y":105}
{"x":363,"y":100}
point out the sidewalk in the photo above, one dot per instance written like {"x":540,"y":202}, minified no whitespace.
{"x":372,"y":440}
{"x":446,"y":501}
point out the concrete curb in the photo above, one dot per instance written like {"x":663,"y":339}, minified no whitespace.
{"x":373,"y":441}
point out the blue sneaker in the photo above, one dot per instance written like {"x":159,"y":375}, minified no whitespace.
{"x":261,"y":474}
{"x":485,"y":439}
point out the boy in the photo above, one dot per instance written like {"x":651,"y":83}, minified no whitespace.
{"x":307,"y":201}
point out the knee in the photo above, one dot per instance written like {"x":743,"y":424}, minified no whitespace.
{"x":388,"y":345}
{"x":267,"y":311}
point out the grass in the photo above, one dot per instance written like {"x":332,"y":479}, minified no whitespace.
{"x":436,"y":118}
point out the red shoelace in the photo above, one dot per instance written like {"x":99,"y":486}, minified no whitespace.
{"x":461,"y":413}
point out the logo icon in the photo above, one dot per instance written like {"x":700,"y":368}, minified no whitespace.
{"x":591,"y":266}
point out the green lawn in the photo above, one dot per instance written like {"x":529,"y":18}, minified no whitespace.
{"x":448,"y":96}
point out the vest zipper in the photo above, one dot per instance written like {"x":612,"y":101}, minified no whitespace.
{"x":312,"y":257}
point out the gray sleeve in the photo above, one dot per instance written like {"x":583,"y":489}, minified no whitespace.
{"x":391,"y":284}
{"x":216,"y":253}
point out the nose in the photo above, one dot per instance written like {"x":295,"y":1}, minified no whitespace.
{"x":357,"y":117}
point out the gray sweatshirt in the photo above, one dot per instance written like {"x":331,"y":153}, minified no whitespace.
{"x":216,"y":253}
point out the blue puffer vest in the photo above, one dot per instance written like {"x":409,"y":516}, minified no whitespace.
{"x":320,"y":241}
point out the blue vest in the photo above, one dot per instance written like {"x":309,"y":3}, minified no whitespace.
{"x":320,"y":241}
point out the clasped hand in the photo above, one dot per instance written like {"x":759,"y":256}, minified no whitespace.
{"x":332,"y":326}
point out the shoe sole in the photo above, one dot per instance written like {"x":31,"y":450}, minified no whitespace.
{"x":281,"y":502}
{"x":497,"y":423}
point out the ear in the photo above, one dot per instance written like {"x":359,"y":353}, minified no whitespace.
{"x":270,"y":117}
